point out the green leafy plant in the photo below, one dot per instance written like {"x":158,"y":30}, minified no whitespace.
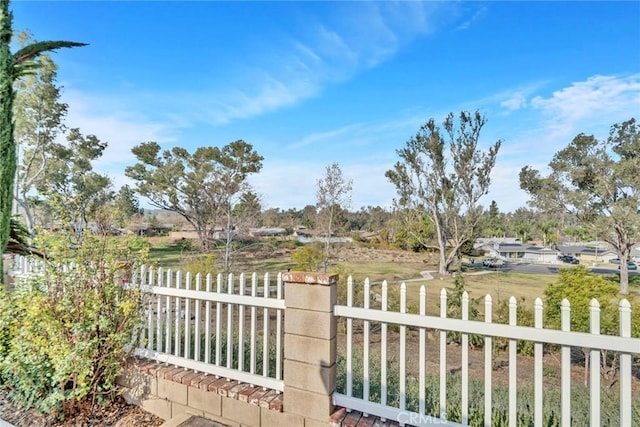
{"x":68,"y":332}
{"x":308,"y":257}
{"x":454,"y":310}
{"x":579,"y":287}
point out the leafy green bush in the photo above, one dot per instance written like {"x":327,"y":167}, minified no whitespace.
{"x":65,"y":339}
{"x":203,"y":264}
{"x":137,"y":244}
{"x":308,"y":257}
{"x":579,"y":287}
{"x":524,"y":317}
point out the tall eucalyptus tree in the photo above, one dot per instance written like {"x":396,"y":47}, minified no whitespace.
{"x":446,"y":187}
{"x":38,"y":117}
{"x":597,"y":181}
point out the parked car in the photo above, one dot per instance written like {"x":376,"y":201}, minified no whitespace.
{"x":631,"y":265}
{"x":569,"y":259}
{"x":493,"y":263}
{"x":614,"y":260}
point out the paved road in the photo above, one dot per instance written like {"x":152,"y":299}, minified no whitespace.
{"x":521,"y":267}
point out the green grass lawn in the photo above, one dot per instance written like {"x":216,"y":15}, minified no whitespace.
{"x":478,"y":282}
{"x":166,"y":254}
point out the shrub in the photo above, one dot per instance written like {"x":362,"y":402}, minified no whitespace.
{"x":202,"y":264}
{"x":68,"y":338}
{"x":579,"y":287}
{"x":308,"y":257}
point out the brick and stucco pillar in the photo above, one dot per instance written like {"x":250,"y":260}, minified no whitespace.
{"x":309,"y":346}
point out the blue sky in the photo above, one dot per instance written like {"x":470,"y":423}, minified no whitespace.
{"x":312,"y":83}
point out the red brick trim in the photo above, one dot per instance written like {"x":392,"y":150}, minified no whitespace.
{"x":253,"y":395}
{"x":341,"y":417}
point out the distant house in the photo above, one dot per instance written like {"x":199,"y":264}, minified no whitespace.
{"x":528,"y":253}
{"x":511,"y":249}
{"x":267,"y":231}
{"x":588,"y":252}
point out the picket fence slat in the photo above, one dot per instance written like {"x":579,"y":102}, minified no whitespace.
{"x":565,"y":399}
{"x":513,"y":364}
{"x":538,"y":366}
{"x":488,"y":362}
{"x":365,"y":348}
{"x":383,"y":346}
{"x":443,"y":354}
{"x":594,"y":377}
{"x":625,"y":366}
{"x":465,"y":362}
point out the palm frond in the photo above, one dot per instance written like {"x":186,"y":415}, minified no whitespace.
{"x":25,"y":68}
{"x":33,"y":50}
{"x":18,"y":240}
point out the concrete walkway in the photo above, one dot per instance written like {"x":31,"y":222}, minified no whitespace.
{"x":189,"y":420}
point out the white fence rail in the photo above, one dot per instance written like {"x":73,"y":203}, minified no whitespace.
{"x":222,"y":328}
{"x":23,"y":267}
{"x":232,"y":326}
{"x":382,"y":318}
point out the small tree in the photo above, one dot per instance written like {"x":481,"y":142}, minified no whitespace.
{"x":308,"y":257}
{"x":38,"y":122}
{"x":446,"y":190}
{"x":125,"y":206}
{"x":71,"y":187}
{"x":333,"y":193}
{"x":247,"y":212}
{"x":579,"y":287}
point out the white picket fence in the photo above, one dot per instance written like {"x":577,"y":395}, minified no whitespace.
{"x":210,"y":327}
{"x":232,"y":326}
{"x":24,"y":267}
{"x":623,"y":344}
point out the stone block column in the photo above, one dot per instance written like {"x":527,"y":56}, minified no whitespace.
{"x":309,"y":345}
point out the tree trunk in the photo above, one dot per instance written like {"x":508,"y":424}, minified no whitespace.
{"x":28,"y":215}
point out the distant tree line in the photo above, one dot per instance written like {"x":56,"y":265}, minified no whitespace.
{"x":441,"y":175}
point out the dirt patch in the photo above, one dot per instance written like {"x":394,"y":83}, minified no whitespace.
{"x":525,"y":365}
{"x":354,"y":253}
{"x":117,"y":414}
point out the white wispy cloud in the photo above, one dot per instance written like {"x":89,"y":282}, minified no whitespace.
{"x":330,"y":52}
{"x":591,"y":103}
{"x":517,"y":101}
{"x":323,"y":138}
{"x":476,"y":16}
{"x":122,"y":129}
{"x":370,"y":186}
{"x":272,"y":94}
